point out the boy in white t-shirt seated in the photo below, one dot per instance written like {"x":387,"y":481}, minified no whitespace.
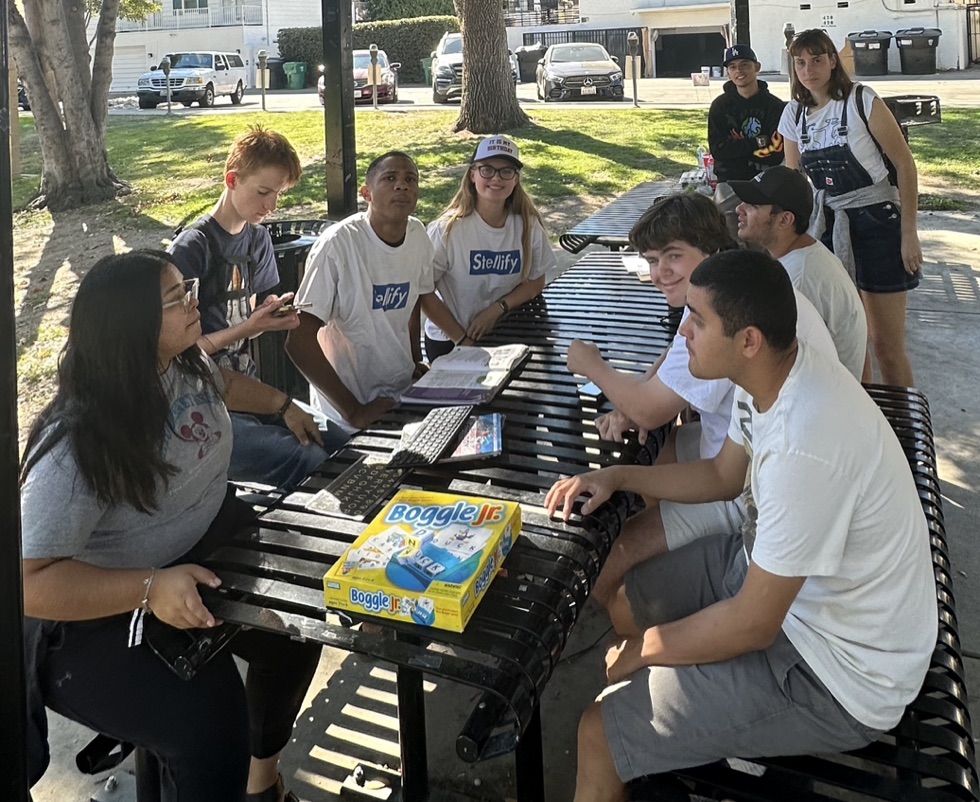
{"x":811,"y":629}
{"x":358,"y":343}
{"x":675,"y":235}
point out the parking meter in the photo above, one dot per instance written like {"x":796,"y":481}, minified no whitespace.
{"x":634,"y":42}
{"x":374,"y":74}
{"x":165,"y":67}
{"x":789,"y":33}
{"x":263,"y":59}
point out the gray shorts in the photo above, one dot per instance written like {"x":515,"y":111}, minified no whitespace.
{"x":684,"y":523}
{"x":761,"y":704}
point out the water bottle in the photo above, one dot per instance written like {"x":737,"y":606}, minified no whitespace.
{"x":701,"y":152}
{"x":709,"y":170}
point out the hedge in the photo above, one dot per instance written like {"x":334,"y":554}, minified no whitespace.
{"x":405,"y":40}
{"x":406,"y":9}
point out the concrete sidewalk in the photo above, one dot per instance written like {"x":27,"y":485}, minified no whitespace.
{"x":350,"y":716}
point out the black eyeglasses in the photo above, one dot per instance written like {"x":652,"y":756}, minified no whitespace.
{"x":489,"y":171}
{"x":190,"y":288}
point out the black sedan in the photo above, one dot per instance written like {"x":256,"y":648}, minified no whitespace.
{"x":579,"y":70}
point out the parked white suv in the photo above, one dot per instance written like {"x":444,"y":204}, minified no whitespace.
{"x":197,"y":77}
{"x":447,"y":68}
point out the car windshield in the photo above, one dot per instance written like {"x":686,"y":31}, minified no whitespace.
{"x":579,"y":53}
{"x":362,"y":61}
{"x":454,"y":45}
{"x":186,"y":60}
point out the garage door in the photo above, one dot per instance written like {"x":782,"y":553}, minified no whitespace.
{"x":128,"y":64}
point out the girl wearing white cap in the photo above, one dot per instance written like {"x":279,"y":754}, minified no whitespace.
{"x":491,"y":250}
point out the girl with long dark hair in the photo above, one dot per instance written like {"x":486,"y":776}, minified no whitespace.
{"x":868,"y":222}
{"x":124,"y":472}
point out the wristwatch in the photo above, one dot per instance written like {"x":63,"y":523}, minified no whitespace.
{"x":503,"y":305}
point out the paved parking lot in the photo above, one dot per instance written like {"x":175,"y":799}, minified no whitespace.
{"x":959,"y":89}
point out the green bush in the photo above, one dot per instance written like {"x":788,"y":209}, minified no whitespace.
{"x":406,"y":9}
{"x":405,"y":40}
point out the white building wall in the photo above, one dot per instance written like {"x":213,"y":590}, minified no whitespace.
{"x":766,"y":26}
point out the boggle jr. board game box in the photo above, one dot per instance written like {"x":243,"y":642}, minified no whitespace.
{"x":426,"y":558}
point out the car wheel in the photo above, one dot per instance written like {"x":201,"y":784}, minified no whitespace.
{"x":239,"y":94}
{"x":207,"y":99}
{"x":147,"y":104}
{"x":437,"y":98}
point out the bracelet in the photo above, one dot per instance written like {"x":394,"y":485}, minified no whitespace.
{"x":504,"y":305}
{"x":210,"y":342}
{"x":281,"y":412}
{"x":147,"y":584}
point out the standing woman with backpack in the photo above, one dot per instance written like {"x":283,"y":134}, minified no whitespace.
{"x":843,"y":137}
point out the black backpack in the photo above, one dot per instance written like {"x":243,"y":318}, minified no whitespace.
{"x":214,"y":284}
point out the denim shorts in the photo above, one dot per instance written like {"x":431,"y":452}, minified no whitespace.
{"x":876,"y":240}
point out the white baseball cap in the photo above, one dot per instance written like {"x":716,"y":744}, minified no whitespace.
{"x":497,"y":147}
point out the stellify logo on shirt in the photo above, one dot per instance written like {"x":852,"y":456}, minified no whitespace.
{"x":500,"y":263}
{"x":390,"y":296}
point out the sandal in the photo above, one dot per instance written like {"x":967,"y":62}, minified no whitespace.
{"x":274,"y":793}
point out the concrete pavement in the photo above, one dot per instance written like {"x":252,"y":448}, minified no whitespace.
{"x":956,"y":89}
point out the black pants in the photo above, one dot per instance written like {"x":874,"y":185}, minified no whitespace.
{"x":436,"y":348}
{"x":204,"y":731}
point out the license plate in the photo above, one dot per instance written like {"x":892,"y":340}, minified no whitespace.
{"x":588,"y":90}
{"x":358,"y":93}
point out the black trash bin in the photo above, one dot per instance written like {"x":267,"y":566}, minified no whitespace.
{"x":870,"y":51}
{"x":917,"y":50}
{"x":277,"y":75}
{"x":528,"y":57}
{"x":292,"y":240}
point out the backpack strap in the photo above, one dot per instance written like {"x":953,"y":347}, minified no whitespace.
{"x":859,"y":102}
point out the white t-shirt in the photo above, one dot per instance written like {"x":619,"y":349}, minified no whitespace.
{"x":364,"y":291}
{"x":824,"y":129}
{"x":832,"y":499}
{"x":712,"y":398}
{"x":821,"y":277}
{"x":479,"y":264}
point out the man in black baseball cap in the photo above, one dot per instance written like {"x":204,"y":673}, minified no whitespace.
{"x":742,"y":127}
{"x":774,"y":214}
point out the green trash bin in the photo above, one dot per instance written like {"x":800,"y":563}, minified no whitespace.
{"x":295,"y":74}
{"x":427,"y":69}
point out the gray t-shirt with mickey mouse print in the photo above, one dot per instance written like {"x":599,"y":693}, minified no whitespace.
{"x":61,"y":516}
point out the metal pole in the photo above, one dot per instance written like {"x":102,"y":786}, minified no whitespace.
{"x":165,"y":66}
{"x":263,"y":58}
{"x":374,"y":75}
{"x":13,"y":693}
{"x":338,"y":109}
{"x":633,"y":40}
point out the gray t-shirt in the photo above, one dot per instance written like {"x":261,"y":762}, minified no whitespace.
{"x":62,"y":517}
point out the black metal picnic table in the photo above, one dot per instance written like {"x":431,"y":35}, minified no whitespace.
{"x":611,"y":225}
{"x":272,"y":574}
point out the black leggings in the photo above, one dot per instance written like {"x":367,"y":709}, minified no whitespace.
{"x":203,"y":731}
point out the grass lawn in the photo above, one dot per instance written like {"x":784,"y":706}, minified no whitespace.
{"x":175,"y":164}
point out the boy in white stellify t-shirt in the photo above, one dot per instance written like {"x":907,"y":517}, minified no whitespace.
{"x":358,"y":342}
{"x":491,"y":250}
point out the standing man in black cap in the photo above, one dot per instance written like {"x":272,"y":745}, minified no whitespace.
{"x":742,"y":128}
